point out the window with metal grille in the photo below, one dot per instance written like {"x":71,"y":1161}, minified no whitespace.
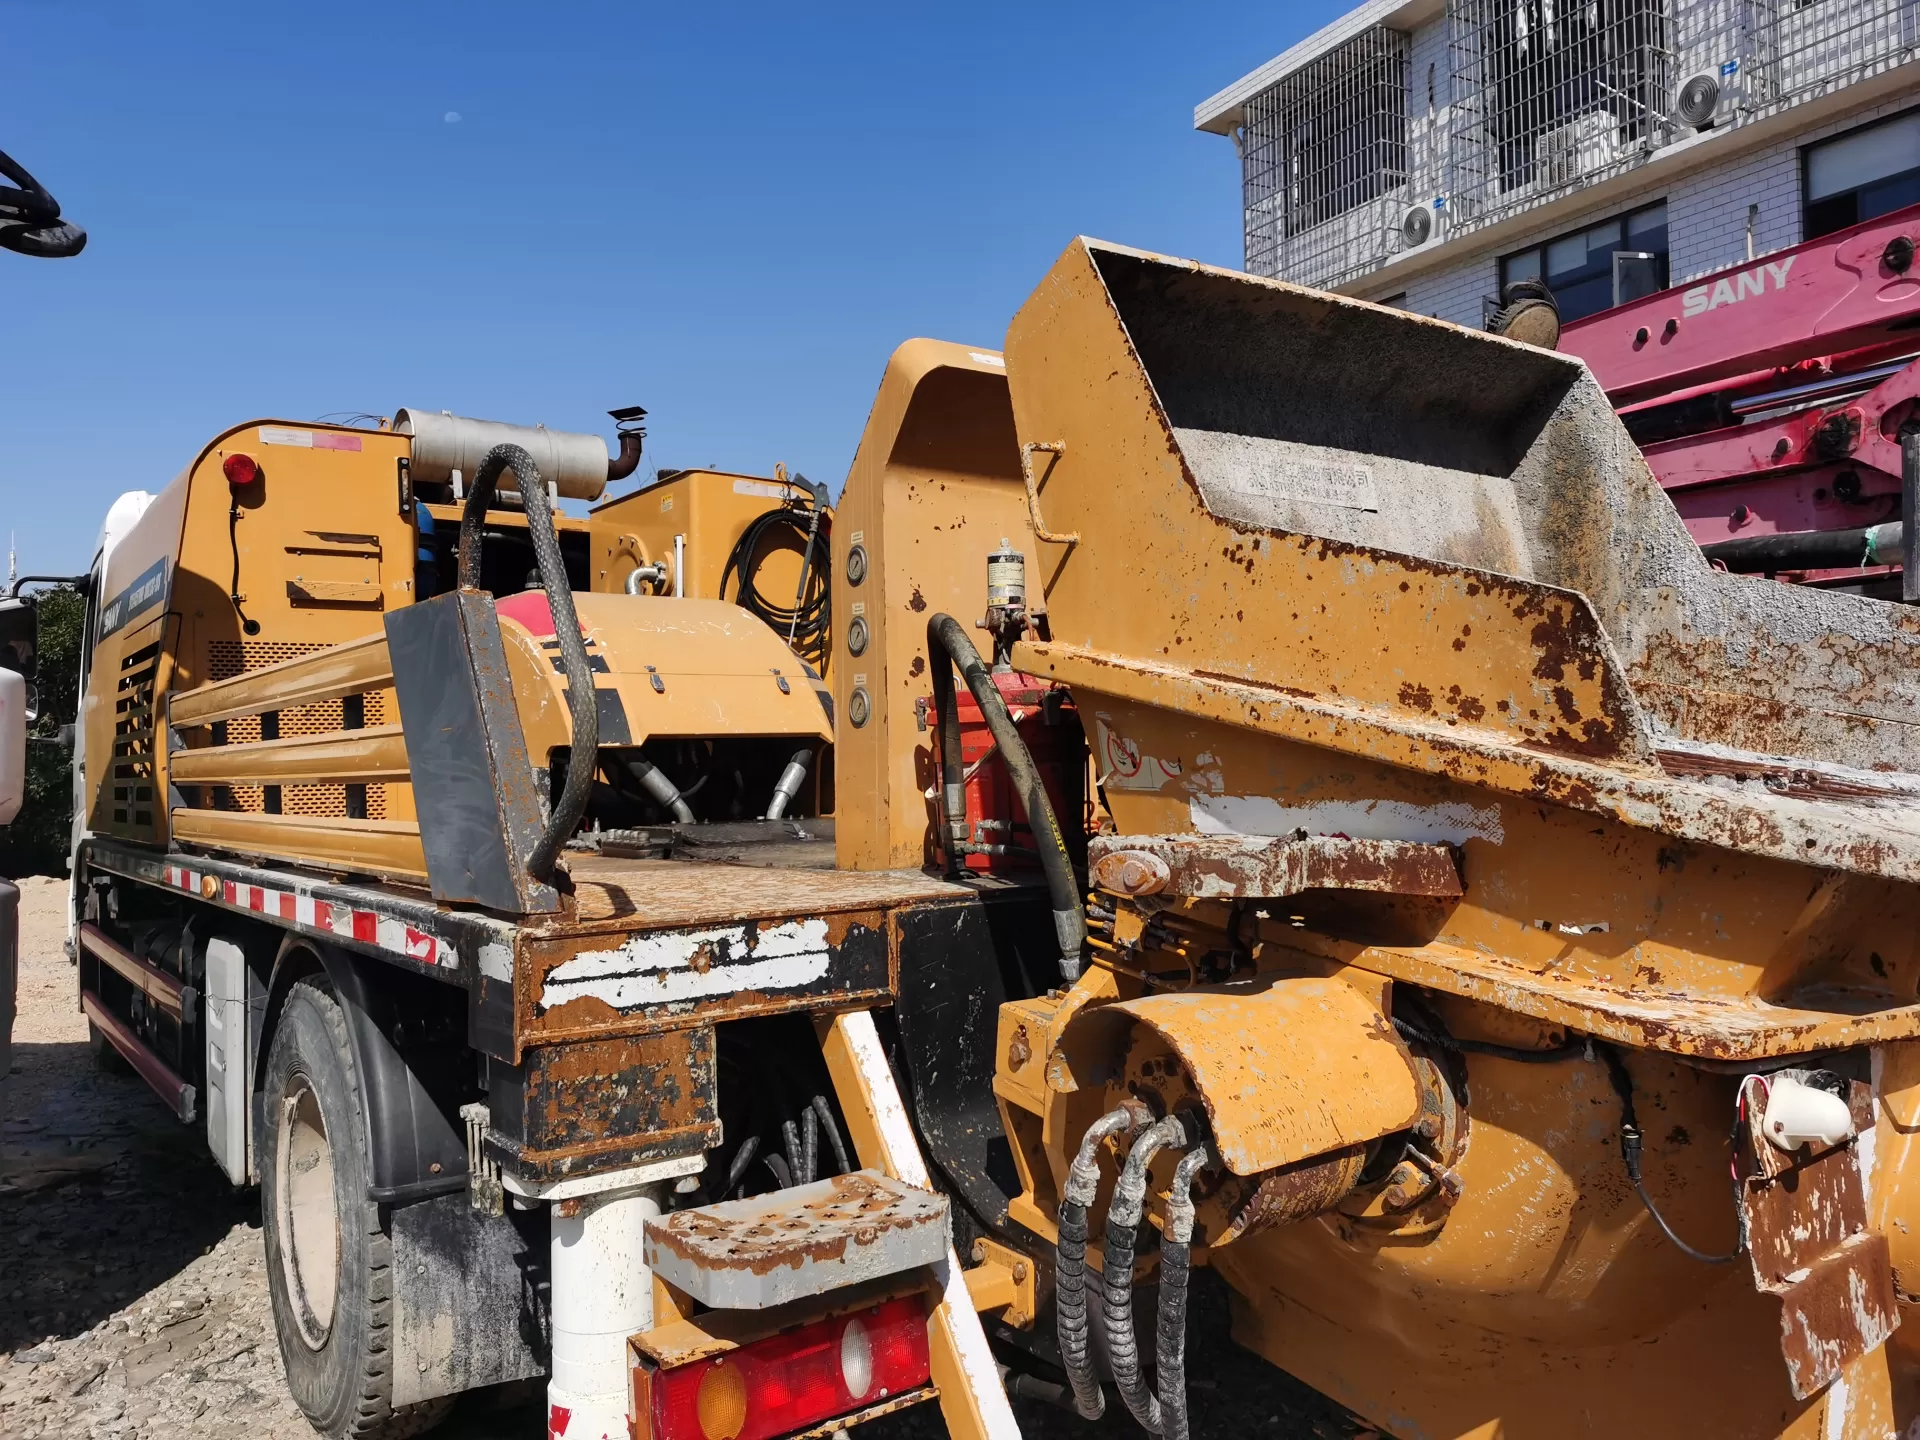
{"x":1549,"y":96}
{"x":1322,"y":143}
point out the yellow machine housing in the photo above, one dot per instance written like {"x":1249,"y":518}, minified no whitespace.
{"x":325,"y":540}
{"x":1453,"y":798}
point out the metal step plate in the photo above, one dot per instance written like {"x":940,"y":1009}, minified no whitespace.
{"x":764,"y":1251}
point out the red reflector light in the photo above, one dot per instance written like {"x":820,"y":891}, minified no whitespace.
{"x":788,"y":1382}
{"x":240,"y":470}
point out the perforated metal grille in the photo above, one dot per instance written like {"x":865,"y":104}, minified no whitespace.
{"x":1549,"y":97}
{"x":133,"y":778}
{"x":227,"y":658}
{"x":1324,"y":163}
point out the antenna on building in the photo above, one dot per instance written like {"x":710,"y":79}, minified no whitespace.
{"x":13,"y":563}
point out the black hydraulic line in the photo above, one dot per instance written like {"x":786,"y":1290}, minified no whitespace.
{"x":1809,"y":549}
{"x":832,"y":1129}
{"x":1910,"y":514}
{"x":1071,"y":1326}
{"x":1176,"y":1259}
{"x":948,"y":644}
{"x":807,"y":624}
{"x":1123,"y":1232}
{"x":742,"y":1158}
{"x":582,"y":705}
{"x":1440,"y":1040}
{"x":1630,"y":1141}
{"x":251,"y":627}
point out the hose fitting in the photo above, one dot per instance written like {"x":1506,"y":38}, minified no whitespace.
{"x":789,"y":783}
{"x":655,"y":782}
{"x":1123,"y":1226}
{"x":1070,"y":1255}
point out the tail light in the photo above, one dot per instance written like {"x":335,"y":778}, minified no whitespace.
{"x":240,"y":470}
{"x":798,"y":1379}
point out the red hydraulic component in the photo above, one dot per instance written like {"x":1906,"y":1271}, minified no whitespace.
{"x":999,"y":840}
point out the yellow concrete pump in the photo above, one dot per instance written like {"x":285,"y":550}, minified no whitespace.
{"x":1241,"y":779}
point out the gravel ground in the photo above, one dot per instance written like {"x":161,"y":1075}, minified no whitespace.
{"x":133,"y":1294}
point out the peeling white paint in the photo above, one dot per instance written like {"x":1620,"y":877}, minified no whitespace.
{"x":496,"y":962}
{"x":687,"y":965}
{"x":1452,"y":822}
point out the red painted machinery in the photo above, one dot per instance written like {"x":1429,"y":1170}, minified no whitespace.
{"x":1771,"y":400}
{"x":999,"y":838}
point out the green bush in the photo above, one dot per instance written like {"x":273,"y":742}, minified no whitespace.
{"x":36,"y":842}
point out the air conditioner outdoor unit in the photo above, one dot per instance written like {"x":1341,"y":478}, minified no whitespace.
{"x":1420,"y":225}
{"x":1569,"y":154}
{"x":1705,"y":97}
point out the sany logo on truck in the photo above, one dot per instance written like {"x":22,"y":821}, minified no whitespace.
{"x":1744,"y":286}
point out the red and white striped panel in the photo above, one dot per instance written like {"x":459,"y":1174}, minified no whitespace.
{"x":347,"y":922}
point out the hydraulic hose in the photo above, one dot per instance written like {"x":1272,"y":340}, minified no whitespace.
{"x":655,"y":782}
{"x":1123,"y":1228}
{"x":1176,"y":1254}
{"x":789,"y":783}
{"x":581,"y":703}
{"x":945,"y":637}
{"x":1070,"y":1256}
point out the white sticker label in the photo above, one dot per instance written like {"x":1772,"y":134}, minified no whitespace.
{"x":760,"y":487}
{"x":859,"y":607}
{"x":667,"y":503}
{"x":275,"y":435}
{"x":1318,"y":482}
{"x":997,"y":361}
{"x":858,"y":536}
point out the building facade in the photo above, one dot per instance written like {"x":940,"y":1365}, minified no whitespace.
{"x":1428,"y":153}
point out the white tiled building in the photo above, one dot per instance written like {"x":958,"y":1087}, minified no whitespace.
{"x":1428,"y":152}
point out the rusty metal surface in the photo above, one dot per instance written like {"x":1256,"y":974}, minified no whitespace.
{"x":1256,"y":866}
{"x":1873,"y":839}
{"x":1286,"y":1068}
{"x":1294,"y":1192}
{"x":594,"y":1105}
{"x":771,"y":1249}
{"x":678,"y":976}
{"x":613,"y":893}
{"x":1644,"y":1016}
{"x":1805,"y":1217}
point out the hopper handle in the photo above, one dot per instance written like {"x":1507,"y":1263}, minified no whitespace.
{"x":1040,"y":531}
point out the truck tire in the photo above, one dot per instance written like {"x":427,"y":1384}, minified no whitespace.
{"x":329,"y":1256}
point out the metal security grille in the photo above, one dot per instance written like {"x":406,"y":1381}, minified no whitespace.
{"x":1549,"y":96}
{"x":1323,"y":149}
{"x":1804,"y":48}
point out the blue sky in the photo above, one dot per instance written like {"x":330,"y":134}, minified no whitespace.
{"x":728,"y":214}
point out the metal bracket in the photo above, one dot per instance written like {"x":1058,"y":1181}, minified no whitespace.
{"x":1040,"y":531}
{"x":1002,"y":1279}
{"x":483,"y":1189}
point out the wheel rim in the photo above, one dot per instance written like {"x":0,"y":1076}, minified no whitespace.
{"x":309,"y":1224}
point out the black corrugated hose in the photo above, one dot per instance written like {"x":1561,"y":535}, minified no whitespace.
{"x":1123,"y":1230}
{"x":581,"y":704}
{"x":1071,"y":1327}
{"x":1176,"y":1258}
{"x":946,"y":638}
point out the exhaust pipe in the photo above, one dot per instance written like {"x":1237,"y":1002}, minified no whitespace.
{"x":575,"y":464}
